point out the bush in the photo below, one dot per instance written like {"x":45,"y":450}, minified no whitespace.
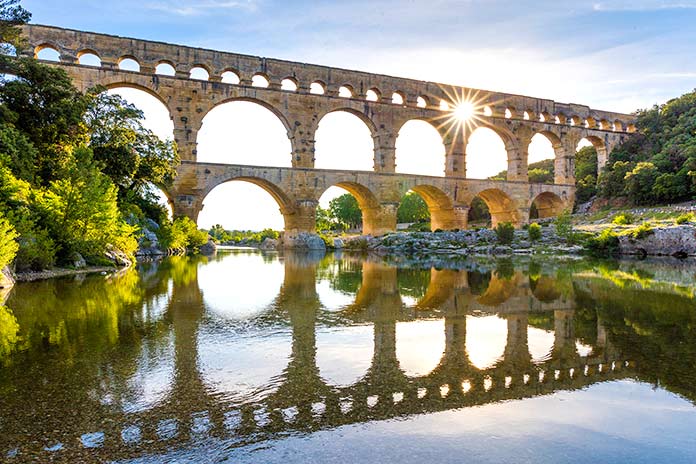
{"x":623,"y":219}
{"x":685,"y":218}
{"x":604,"y":244}
{"x":8,"y":245}
{"x":505,"y":232}
{"x":534,"y":231}
{"x":182,"y":234}
{"x":564,"y":226}
{"x":641,"y":231}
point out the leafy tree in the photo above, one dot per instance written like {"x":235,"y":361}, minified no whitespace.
{"x":8,"y":245}
{"x":534,"y":231}
{"x":564,"y":226}
{"x":44,"y":106}
{"x":346,"y":209}
{"x":219,"y":234}
{"x":638,"y":183}
{"x":182,"y":234}
{"x":412,"y":209}
{"x":131,"y":155}
{"x":12,"y":15}
{"x":478,"y":211}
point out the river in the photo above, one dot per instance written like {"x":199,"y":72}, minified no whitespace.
{"x":265,"y":358}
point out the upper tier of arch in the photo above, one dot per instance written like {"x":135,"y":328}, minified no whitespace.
{"x":70,"y":44}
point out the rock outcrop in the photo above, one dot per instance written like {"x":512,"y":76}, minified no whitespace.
{"x":209,"y":248}
{"x":303,"y":241}
{"x":677,"y":241}
{"x":269,"y":244}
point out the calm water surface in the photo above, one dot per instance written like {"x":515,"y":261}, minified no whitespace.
{"x":264,"y":358}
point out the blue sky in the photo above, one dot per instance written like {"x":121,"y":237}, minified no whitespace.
{"x":610,"y":54}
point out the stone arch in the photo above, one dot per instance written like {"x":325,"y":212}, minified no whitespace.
{"x":350,"y":149}
{"x":501,"y":206}
{"x":267,"y":107}
{"x":499,"y":290}
{"x":285,"y":203}
{"x":546,"y":205}
{"x":443,"y":214}
{"x":289,"y":84}
{"x":137,"y":86}
{"x":47,"y":46}
{"x":367,"y":201}
{"x":478,"y":150}
{"x":407,"y":155}
{"x":86,"y":53}
{"x":538,"y":144}
{"x":200,"y":71}
{"x":600,"y":147}
{"x":230,"y":76}
{"x":165,"y":68}
{"x":123,"y":63}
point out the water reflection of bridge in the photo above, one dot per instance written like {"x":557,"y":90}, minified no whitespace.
{"x":304,"y":401}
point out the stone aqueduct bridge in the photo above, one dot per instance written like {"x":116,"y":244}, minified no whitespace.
{"x":382,"y":102}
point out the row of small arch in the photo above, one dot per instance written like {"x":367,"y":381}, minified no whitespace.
{"x":201,"y":72}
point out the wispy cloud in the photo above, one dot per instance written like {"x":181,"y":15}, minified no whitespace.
{"x":184,"y":8}
{"x":643,"y":6}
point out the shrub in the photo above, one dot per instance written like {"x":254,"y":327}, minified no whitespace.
{"x":604,"y":244}
{"x":534,"y":231}
{"x":642,"y":231}
{"x":8,"y":245}
{"x":182,"y":234}
{"x":685,"y":218}
{"x":505,"y":232}
{"x":623,"y":219}
{"x":564,"y":226}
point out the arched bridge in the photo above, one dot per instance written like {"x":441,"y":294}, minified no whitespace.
{"x":300,"y":95}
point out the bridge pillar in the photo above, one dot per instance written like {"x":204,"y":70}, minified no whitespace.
{"x":564,"y":163}
{"x":301,"y":136}
{"x":380,"y":220}
{"x":517,"y":152}
{"x":449,"y":219}
{"x":189,"y":205}
{"x":385,"y":151}
{"x":301,"y":219}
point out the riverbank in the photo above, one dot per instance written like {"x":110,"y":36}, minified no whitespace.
{"x":32,"y":276}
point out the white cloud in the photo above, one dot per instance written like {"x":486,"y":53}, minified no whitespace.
{"x":183,"y":8}
{"x":648,"y":5}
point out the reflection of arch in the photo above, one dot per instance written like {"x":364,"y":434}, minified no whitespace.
{"x":442,"y":213}
{"x":548,"y":204}
{"x":545,"y":288}
{"x":500,"y":205}
{"x":499,"y":290}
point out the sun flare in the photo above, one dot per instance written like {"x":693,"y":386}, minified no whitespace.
{"x":464,"y":111}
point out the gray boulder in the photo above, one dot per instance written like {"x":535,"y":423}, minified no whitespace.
{"x":304,"y":241}
{"x":269,"y":244}
{"x":663,"y":241}
{"x":209,"y":248}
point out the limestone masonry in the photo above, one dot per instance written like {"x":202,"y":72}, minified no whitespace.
{"x":382,"y":102}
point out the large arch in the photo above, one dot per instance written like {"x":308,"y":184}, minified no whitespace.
{"x":158,"y":117}
{"x":486,"y":153}
{"x":600,"y":147}
{"x":542,"y":151}
{"x":546,"y":205}
{"x":344,"y":140}
{"x":244,"y":131}
{"x":252,"y":205}
{"x":367,"y":202}
{"x":419,"y":149}
{"x":443,"y":215}
{"x":502,"y":208}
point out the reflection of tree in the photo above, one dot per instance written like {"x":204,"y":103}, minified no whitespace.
{"x":413,"y":282}
{"x":8,"y":332}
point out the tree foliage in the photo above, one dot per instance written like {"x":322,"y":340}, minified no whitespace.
{"x":658,"y":163}
{"x":12,"y":15}
{"x":346,"y":210}
{"x":412,"y":209}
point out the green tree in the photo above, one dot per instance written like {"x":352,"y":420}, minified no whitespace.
{"x":8,"y":244}
{"x":44,"y":106}
{"x":12,"y":15}
{"x":131,"y":155}
{"x":639,"y":182}
{"x":346,"y":210}
{"x":182,"y":234}
{"x":219,"y":234}
{"x":412,"y":209}
{"x":505,"y":233}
